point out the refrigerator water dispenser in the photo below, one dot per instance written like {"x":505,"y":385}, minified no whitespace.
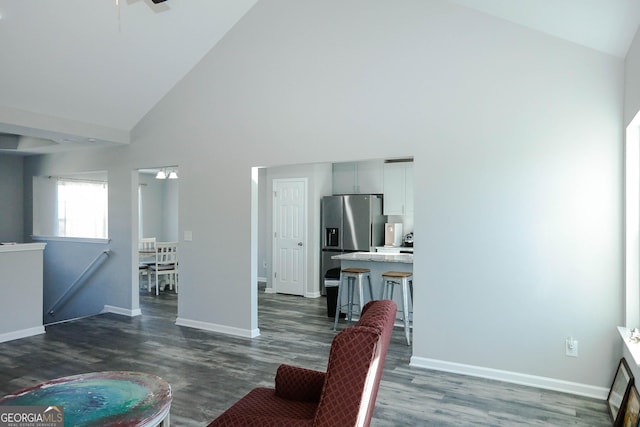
{"x":331,"y":237}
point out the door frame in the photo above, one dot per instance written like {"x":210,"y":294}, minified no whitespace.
{"x":136,"y":228}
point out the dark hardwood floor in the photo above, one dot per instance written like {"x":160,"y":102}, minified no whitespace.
{"x":208,"y":371}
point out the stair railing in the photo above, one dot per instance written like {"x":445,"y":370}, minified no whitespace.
{"x":77,"y":284}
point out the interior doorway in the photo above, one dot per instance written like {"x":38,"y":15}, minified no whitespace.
{"x":157,"y":226}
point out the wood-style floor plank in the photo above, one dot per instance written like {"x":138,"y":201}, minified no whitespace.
{"x":208,"y":372}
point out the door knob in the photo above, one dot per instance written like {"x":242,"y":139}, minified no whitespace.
{"x":299,"y":243}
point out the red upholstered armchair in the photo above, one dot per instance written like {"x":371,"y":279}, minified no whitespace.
{"x":343,"y":396}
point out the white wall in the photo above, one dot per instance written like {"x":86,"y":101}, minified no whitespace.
{"x":516,"y":138}
{"x":11,"y":199}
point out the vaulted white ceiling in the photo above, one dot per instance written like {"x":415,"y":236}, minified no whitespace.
{"x":605,"y":25}
{"x":79,"y":73}
{"x":84,"y":72}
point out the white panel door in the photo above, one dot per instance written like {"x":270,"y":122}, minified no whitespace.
{"x":289,"y":235}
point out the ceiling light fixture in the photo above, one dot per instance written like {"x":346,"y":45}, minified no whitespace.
{"x":161,"y":174}
{"x":173,"y":175}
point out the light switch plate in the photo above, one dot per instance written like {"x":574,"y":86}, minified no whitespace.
{"x":188,"y":236}
{"x":571,"y":347}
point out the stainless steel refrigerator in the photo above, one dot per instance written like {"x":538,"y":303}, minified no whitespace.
{"x":350,"y":223}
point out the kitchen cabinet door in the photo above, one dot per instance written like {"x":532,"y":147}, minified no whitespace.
{"x":363,"y":177}
{"x":408,"y":188}
{"x":398,"y":188}
{"x":344,"y":178}
{"x":369,"y":176}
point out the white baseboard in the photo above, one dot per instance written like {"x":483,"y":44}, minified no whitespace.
{"x":315,"y":294}
{"x":197,"y":324}
{"x":511,"y":377}
{"x":262,"y":280}
{"x":23,"y":333}
{"x":121,"y":311}
{"x":269,"y":291}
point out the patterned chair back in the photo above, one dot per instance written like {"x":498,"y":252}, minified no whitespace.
{"x":355,"y":367}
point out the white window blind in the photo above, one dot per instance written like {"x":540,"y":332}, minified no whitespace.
{"x":82,"y":208}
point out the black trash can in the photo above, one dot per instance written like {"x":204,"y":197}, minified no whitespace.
{"x":332,"y":291}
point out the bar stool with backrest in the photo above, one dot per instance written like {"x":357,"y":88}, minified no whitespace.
{"x":404,"y":280}
{"x":352,"y":277}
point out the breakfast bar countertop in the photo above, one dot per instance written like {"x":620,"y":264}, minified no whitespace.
{"x":376,"y":257}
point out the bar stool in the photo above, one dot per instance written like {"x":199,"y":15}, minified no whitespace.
{"x":404,"y":279}
{"x":352,"y":276}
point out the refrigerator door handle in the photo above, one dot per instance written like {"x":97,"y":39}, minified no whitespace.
{"x":370,"y":236}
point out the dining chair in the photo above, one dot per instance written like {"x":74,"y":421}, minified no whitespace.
{"x":146,"y":256}
{"x":166,"y":263}
{"x":147,"y":244}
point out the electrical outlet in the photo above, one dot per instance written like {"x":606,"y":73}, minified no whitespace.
{"x":571,"y":347}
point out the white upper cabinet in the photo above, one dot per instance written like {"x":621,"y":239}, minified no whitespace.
{"x":344,"y":178}
{"x":398,"y":188}
{"x":358,"y":177}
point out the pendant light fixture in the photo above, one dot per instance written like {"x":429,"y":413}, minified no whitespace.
{"x":162,"y":174}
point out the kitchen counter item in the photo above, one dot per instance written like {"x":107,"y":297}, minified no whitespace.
{"x":394,"y":250}
{"x":393,"y":234}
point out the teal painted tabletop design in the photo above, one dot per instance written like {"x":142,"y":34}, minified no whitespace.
{"x":113,"y":398}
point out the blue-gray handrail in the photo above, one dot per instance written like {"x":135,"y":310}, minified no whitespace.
{"x":75,"y":286}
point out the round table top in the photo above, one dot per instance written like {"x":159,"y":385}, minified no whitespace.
{"x":101,"y":398}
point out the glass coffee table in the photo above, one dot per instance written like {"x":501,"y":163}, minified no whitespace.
{"x":112,"y":398}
